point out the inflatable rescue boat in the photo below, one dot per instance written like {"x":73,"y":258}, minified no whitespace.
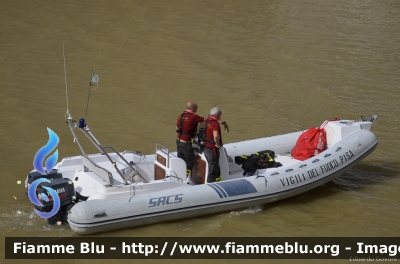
{"x":113,"y":190}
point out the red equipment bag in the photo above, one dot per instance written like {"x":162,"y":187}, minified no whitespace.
{"x":311,"y":142}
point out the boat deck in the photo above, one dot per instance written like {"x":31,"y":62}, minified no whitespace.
{"x":286,"y":160}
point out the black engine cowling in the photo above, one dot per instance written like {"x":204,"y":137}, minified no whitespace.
{"x":66,"y":192}
{"x":34,"y":175}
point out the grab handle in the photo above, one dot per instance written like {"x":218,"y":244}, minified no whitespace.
{"x":99,"y":214}
{"x":265,"y":179}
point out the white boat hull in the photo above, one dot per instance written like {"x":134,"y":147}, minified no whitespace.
{"x":170,"y":199}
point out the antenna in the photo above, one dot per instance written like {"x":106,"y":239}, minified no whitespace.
{"x":219,"y":101}
{"x":95,"y":79}
{"x":65,"y":75}
{"x":88,"y":97}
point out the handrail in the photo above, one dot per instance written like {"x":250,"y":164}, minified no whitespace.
{"x":172,"y":176}
{"x":86,"y":131}
{"x":265,"y":179}
{"x":72,"y":126}
{"x":92,"y":139}
{"x":103,"y":151}
{"x":371,"y":119}
{"x":132,"y":151}
{"x":102,"y":148}
{"x":136,"y":172}
{"x":130,"y":191}
{"x":97,"y":169}
{"x":73,"y":133}
{"x":166,"y":151}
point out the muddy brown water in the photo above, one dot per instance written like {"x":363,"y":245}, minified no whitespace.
{"x":273,"y":66}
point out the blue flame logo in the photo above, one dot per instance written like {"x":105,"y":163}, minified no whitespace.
{"x":32,"y":196}
{"x":44,"y":151}
{"x":38,"y":165}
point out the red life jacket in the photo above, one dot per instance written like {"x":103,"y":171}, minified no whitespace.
{"x":209,"y":135}
{"x":180,"y":129}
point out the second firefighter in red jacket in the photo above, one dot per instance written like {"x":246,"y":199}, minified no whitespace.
{"x":213,"y":144}
{"x":186,"y":127}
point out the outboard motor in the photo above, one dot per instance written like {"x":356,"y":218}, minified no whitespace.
{"x":34,"y":175}
{"x":66,"y":192}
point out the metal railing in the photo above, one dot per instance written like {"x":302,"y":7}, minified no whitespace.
{"x":371,"y":119}
{"x":172,"y":176}
{"x":86,"y":131}
{"x":90,"y":165}
{"x":165,"y":150}
{"x":134,"y":170}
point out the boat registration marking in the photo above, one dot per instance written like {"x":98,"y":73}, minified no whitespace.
{"x":316,"y":172}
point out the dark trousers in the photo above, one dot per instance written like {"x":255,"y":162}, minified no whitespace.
{"x":214,"y":172}
{"x":186,"y":152}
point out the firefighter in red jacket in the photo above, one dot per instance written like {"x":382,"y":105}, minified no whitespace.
{"x":186,"y":127}
{"x":213,"y":144}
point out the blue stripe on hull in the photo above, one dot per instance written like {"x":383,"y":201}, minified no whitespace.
{"x":221,"y":190}
{"x":233,"y":188}
{"x":216,"y":190}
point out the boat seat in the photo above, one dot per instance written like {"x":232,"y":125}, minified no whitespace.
{"x":234,"y":168}
{"x":229,"y":170}
{"x":224,"y":164}
{"x":168,"y":165}
{"x":90,"y":165}
{"x":330,"y":132}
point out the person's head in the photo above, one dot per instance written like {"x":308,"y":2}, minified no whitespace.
{"x":216,"y":112}
{"x":192,"y":106}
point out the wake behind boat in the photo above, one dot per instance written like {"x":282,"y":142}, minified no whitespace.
{"x":113,"y":190}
